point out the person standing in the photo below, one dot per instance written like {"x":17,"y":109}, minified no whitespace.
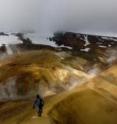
{"x":38,"y":105}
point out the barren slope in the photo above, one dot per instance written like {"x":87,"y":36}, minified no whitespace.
{"x":93,"y":103}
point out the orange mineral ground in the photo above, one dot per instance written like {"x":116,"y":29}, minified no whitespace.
{"x":92,"y":102}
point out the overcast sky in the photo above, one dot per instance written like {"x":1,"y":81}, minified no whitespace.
{"x":47,"y":16}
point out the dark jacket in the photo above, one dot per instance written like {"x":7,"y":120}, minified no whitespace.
{"x":39,"y":102}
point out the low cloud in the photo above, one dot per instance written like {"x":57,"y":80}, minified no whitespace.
{"x":47,"y":16}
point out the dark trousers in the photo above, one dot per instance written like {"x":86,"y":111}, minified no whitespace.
{"x":40,"y":112}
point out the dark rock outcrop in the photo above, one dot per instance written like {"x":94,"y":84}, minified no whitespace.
{"x":79,"y":42}
{"x":25,"y":40}
{"x":3,"y":48}
{"x":4,"y":34}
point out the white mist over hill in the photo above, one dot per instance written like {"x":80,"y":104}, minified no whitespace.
{"x":35,"y":37}
{"x":9,"y":39}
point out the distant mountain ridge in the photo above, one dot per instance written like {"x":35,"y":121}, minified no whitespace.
{"x":80,"y":42}
{"x":67,"y":41}
{"x":91,"y":47}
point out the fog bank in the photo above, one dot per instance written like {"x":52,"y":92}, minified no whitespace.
{"x":47,"y":16}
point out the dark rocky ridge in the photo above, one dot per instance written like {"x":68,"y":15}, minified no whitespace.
{"x":91,"y":47}
{"x":3,"y":48}
{"x":75,"y":41}
{"x":3,"y":34}
{"x":78,"y":41}
{"x":27,"y":44}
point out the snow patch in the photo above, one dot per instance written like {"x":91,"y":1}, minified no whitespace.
{"x":10,"y":39}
